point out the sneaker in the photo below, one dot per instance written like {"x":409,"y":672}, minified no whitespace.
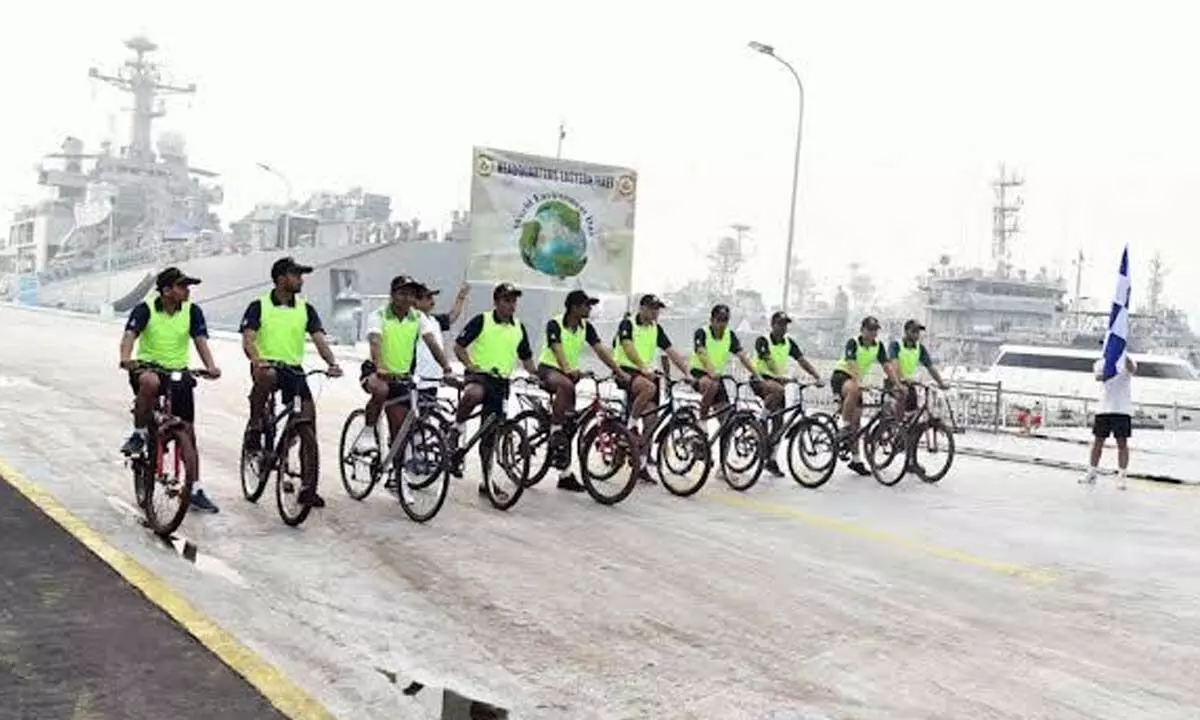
{"x":568,"y":482}
{"x":1120,"y":481}
{"x":858,"y":467}
{"x":772,"y":468}
{"x":201,"y":502}
{"x":501,"y":496}
{"x":309,"y":497}
{"x":135,"y":444}
{"x":1089,"y":478}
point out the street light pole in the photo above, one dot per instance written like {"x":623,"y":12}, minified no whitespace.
{"x":787,"y":267}
{"x":287,"y":226}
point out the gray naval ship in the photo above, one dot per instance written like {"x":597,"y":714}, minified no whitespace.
{"x":113,"y":218}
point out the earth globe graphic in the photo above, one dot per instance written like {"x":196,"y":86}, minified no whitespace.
{"x":552,"y":241}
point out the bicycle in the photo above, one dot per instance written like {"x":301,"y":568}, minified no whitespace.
{"x":675,"y":446}
{"x":174,"y":466}
{"x":737,"y":430}
{"x":906,"y":434}
{"x":256,"y":465}
{"x":808,"y":434}
{"x":417,"y":446}
{"x":508,"y":446}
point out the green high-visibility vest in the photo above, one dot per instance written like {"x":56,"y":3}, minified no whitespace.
{"x":908,"y":361}
{"x":572,"y":346}
{"x":866,"y":356}
{"x":166,"y":341}
{"x":496,"y":346}
{"x":398,"y":341}
{"x":779,"y":357}
{"x":281,"y":331}
{"x":716,"y":349}
{"x":645,"y":341}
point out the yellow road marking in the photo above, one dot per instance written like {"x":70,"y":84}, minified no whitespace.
{"x":846,"y":527}
{"x":287,"y":697}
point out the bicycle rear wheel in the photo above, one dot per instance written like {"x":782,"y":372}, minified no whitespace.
{"x":610,"y":444}
{"x":811,"y":452}
{"x":536,"y":426}
{"x":292,"y":476}
{"x":173,"y":482}
{"x":934,"y":440}
{"x":359,"y":471}
{"x":250,"y":467}
{"x":509,"y":457}
{"x":743,"y":451}
{"x":887,"y":451}
{"x":424,"y":482}
{"x":684,"y":459}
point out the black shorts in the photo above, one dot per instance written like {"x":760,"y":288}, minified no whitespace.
{"x":291,"y":383}
{"x":722,"y":396}
{"x":397,"y":390}
{"x":495,"y":392}
{"x":836,"y":381}
{"x":1120,"y":426}
{"x":911,"y":401}
{"x":760,"y":387}
{"x":546,"y":373}
{"x":183,"y":400}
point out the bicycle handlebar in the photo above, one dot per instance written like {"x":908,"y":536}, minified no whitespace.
{"x":197,"y":372}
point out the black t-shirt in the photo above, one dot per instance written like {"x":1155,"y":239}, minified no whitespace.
{"x":554,"y":333}
{"x":625,"y":332}
{"x":762,"y":348}
{"x":700,"y":341}
{"x":252,"y":319}
{"x":139,"y":317}
{"x":443,"y":320}
{"x":474,"y":327}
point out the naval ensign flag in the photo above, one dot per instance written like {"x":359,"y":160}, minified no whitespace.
{"x":1118,"y":320}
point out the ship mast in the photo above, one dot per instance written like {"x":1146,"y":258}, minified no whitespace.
{"x":140,"y":77}
{"x":1005,"y":222}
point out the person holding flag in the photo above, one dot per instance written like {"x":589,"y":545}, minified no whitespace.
{"x":1115,"y":370}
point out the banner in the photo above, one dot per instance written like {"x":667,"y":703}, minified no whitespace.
{"x":542,"y":222}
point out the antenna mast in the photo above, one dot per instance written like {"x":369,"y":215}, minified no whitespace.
{"x":1005,"y":221}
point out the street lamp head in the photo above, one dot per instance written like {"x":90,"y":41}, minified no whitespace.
{"x":761,"y":47}
{"x":264,"y":166}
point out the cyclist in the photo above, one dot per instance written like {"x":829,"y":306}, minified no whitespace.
{"x":497,"y":340}
{"x":434,"y":325}
{"x":861,"y":354}
{"x":273,"y":329}
{"x":638,"y":340}
{"x":772,"y":352}
{"x":712,"y":346}
{"x":162,"y":329}
{"x":558,"y":369}
{"x":909,"y":356}
{"x":393,"y":333}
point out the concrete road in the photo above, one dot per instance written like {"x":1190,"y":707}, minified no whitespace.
{"x":1004,"y":592}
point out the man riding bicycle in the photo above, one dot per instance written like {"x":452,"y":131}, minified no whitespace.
{"x":558,"y":369}
{"x":909,"y":356}
{"x":861,"y":354}
{"x":713,"y":344}
{"x":393,"y":333}
{"x":638,"y":340}
{"x":273,"y":332}
{"x":772,"y":352}
{"x":162,"y":330}
{"x":497,"y":340}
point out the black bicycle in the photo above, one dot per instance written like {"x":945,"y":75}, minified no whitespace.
{"x":900,"y":444}
{"x":740,"y":438}
{"x":680,"y":449}
{"x":273,"y":453}
{"x":507,"y":449}
{"x":414,"y":463}
{"x":169,"y":467}
{"x":810,"y":437}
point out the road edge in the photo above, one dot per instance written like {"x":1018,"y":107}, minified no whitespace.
{"x":286,"y":696}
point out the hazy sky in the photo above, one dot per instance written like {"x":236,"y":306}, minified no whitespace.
{"x":910,"y":108}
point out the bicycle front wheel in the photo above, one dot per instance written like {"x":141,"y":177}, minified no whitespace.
{"x":536,"y":426}
{"x":811,"y":452}
{"x":684,"y":459}
{"x":886,"y":448}
{"x":169,"y":491}
{"x":295,"y":472}
{"x":250,"y":467}
{"x":424,"y":481}
{"x":360,"y":471}
{"x":506,"y":465}
{"x":609,"y":446}
{"x":743,"y":451}
{"x":931,"y":451}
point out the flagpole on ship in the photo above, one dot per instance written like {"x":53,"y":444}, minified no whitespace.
{"x":108,"y":262}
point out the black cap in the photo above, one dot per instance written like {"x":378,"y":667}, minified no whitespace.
{"x":172,"y":276}
{"x":506,"y":290}
{"x":913,"y":325}
{"x":651,"y":301}
{"x":288,"y":266}
{"x":575,"y":298}
{"x":870,"y":322}
{"x":780,"y":317}
{"x":404,"y":281}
